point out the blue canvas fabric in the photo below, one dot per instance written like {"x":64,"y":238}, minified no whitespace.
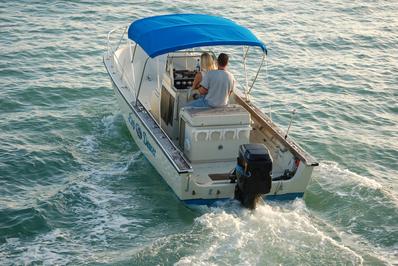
{"x":168,"y":33}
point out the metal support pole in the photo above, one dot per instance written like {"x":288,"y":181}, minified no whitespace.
{"x":258,"y":71}
{"x":142,"y":76}
{"x":291,"y":119}
{"x":121,"y":38}
{"x":132,"y":58}
{"x":244,"y":68}
{"x":132,"y":63}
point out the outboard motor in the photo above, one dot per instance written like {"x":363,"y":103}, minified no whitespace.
{"x":253,"y":173}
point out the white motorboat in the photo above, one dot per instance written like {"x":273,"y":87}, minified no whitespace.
{"x":204,"y":154}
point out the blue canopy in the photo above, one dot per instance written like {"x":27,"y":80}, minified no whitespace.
{"x":168,"y":33}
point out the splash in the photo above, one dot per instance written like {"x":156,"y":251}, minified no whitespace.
{"x":266,"y":236}
{"x":89,"y":144}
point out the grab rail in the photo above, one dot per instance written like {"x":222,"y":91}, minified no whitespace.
{"x":111,"y":51}
{"x":109,"y":38}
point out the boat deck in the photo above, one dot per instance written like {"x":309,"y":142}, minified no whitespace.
{"x":213,"y":172}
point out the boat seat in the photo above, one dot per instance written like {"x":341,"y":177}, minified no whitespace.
{"x":233,"y":114}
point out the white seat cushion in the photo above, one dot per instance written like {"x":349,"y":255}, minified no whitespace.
{"x":232,"y":114}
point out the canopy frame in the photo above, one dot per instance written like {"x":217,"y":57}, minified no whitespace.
{"x":159,"y":35}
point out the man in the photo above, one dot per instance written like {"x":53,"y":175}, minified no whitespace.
{"x":216,"y":86}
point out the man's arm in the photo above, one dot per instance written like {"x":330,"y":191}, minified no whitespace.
{"x":203,"y":90}
{"x":204,"y":85}
{"x":232,"y":87}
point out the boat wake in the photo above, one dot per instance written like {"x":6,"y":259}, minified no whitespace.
{"x":264,"y":236}
{"x":333,"y":177}
{"x":319,"y":228}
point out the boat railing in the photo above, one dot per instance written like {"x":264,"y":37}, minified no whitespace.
{"x":111,"y":50}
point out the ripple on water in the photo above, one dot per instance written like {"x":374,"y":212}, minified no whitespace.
{"x":351,"y":202}
{"x":22,"y":223}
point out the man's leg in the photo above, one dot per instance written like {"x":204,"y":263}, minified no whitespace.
{"x":200,"y":102}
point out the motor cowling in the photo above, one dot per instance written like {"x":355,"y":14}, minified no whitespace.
{"x":253,"y":173}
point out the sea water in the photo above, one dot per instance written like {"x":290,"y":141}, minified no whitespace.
{"x":75,"y":189}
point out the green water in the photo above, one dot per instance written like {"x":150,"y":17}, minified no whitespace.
{"x":75,"y":189}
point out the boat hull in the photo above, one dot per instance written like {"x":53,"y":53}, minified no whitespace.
{"x":145,"y":141}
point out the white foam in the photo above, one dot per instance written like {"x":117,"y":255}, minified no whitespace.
{"x":44,"y":250}
{"x":335,"y":172}
{"x":271,"y":234}
{"x":123,"y":166}
{"x":109,"y":124}
{"x":89,"y":144}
